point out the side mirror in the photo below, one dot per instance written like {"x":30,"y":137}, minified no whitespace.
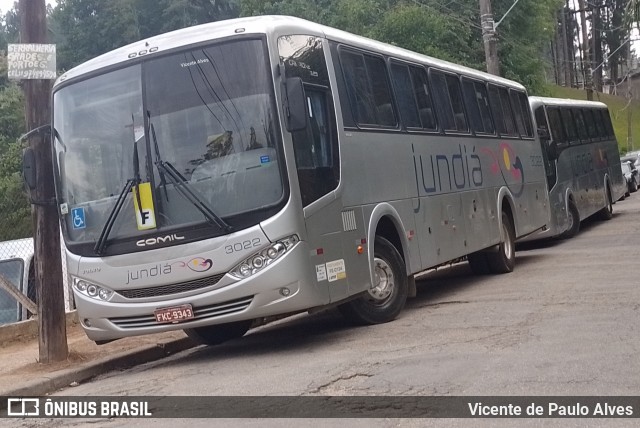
{"x":295,"y":109}
{"x":29,"y":167}
{"x":543,"y":134}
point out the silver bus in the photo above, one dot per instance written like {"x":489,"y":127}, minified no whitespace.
{"x":259,"y":167}
{"x":582,"y":162}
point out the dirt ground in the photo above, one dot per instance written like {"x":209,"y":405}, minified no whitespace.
{"x":20,"y":356}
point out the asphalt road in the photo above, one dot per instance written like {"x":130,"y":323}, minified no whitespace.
{"x":565,"y":322}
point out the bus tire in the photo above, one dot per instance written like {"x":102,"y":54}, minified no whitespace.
{"x":504,"y":260}
{"x":573,"y":215}
{"x":606,"y":213}
{"x":385,"y":299}
{"x":478,"y":263}
{"x":217,"y":334}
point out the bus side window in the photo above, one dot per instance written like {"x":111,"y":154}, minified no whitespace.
{"x":607,"y":123}
{"x":368,"y":88}
{"x":569,"y":126}
{"x":523,"y":114}
{"x":557,"y":129}
{"x":404,"y":95}
{"x":591,"y":123}
{"x":455,"y":94}
{"x":600,"y":128}
{"x":580,"y":125}
{"x":499,"y":100}
{"x":477,"y":102}
{"x":423,"y":97}
{"x":507,"y":111}
{"x":448,"y":98}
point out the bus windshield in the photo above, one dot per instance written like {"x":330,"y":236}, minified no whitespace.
{"x":207,"y":113}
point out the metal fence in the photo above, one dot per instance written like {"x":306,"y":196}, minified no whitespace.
{"x":17,"y":252}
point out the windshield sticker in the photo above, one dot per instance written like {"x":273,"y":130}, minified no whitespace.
{"x":336,"y":270}
{"x":64,"y":208}
{"x":77,"y":217}
{"x":145,"y":213}
{"x":138,"y":132}
{"x":265,"y":159}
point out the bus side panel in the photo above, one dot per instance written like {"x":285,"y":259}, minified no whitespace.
{"x":482,"y":221}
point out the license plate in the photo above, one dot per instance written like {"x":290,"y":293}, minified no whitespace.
{"x":174,"y":314}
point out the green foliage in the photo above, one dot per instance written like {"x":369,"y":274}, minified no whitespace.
{"x":522,"y":38}
{"x":15,"y":212}
{"x":422,"y":29}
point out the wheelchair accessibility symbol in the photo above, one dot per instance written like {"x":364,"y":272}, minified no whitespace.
{"x":77,"y":217}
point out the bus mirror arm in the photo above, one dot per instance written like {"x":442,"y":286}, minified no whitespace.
{"x":543,"y":134}
{"x":294,"y":105}
{"x":552,"y":150}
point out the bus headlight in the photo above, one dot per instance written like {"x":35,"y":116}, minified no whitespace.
{"x":264,"y":258}
{"x":92,"y":290}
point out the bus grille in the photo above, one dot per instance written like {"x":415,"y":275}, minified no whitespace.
{"x":205,"y":312}
{"x":164,"y":290}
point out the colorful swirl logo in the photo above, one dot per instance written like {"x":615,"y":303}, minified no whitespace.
{"x":509,"y":162}
{"x":200,"y":264}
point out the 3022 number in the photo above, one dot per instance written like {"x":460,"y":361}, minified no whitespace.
{"x":244,"y":245}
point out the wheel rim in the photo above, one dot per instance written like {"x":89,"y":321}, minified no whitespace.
{"x":570,"y":219}
{"x":507,"y":244}
{"x":384,"y":281}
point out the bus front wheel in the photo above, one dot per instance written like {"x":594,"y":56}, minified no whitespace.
{"x":504,"y":260}
{"x":217,"y":334}
{"x":387,"y":296}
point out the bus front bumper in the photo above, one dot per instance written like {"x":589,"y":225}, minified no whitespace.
{"x":285,"y":286}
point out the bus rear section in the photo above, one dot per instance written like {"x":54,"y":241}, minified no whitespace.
{"x":582,"y":162}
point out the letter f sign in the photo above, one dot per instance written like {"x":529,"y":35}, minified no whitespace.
{"x":145,"y":215}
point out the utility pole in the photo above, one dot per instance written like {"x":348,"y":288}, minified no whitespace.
{"x":586,"y":60}
{"x":52,"y":335}
{"x":489,"y":37}
{"x":629,"y":96}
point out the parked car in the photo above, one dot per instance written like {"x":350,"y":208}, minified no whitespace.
{"x":631,"y":176}
{"x":633,"y":157}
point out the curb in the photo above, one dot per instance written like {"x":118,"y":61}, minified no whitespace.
{"x":49,"y":383}
{"x":28,"y":328}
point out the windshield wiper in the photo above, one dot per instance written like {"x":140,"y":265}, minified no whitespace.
{"x":182,"y":185}
{"x":101,"y":243}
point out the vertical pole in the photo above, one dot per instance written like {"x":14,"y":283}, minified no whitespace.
{"x":568,"y":53}
{"x":586,"y":59}
{"x":52,"y":335}
{"x":629,"y":96}
{"x":489,"y":38}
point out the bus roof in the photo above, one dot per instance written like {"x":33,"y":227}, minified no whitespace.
{"x":537,"y":101}
{"x":263,"y":25}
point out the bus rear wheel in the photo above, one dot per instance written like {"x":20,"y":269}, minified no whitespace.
{"x":387,"y":296}
{"x":573,"y":217}
{"x":504,"y":260}
{"x":217,"y":334}
{"x":606,"y":213}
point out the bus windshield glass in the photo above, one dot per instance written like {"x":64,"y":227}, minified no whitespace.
{"x":206,"y":114}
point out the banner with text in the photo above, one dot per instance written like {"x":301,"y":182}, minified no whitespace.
{"x":31,"y":61}
{"x":322,"y":407}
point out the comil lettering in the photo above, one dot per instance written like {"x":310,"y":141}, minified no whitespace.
{"x":158,"y":240}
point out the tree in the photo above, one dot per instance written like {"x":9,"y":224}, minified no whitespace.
{"x":15,"y":210}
